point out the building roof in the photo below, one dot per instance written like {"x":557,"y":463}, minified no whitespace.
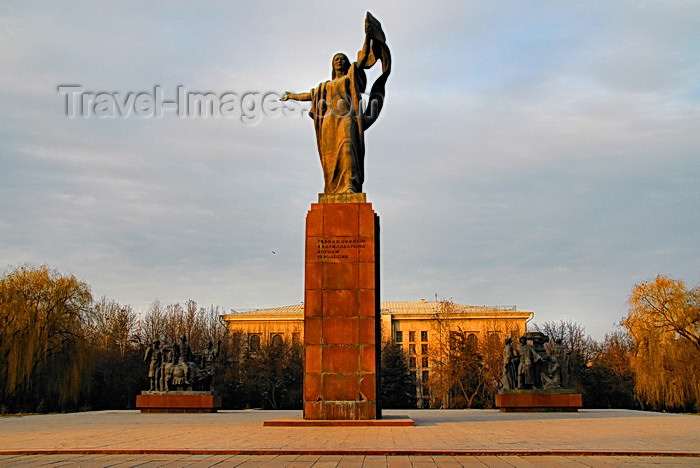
{"x":296,"y":309}
{"x":432,"y":307}
{"x":400,"y":308}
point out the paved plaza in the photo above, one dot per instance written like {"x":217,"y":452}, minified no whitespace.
{"x":440,"y":438}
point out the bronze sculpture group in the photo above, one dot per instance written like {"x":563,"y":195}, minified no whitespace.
{"x":176,"y":367}
{"x":531,"y":366}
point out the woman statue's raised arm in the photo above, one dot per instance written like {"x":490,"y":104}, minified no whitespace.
{"x":363,"y":54}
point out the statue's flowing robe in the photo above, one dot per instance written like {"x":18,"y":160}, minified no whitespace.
{"x":340,"y":121}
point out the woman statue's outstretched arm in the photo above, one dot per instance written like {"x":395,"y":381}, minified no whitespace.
{"x":296,"y":97}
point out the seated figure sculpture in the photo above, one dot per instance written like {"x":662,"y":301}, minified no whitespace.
{"x":563,"y":355}
{"x":551,"y":376}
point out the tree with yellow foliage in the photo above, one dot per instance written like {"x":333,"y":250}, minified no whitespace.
{"x":42,"y":344}
{"x":664,"y":321}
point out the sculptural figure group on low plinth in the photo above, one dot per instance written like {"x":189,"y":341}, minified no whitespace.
{"x":176,"y":367}
{"x":180,"y":380}
{"x":537,"y":379}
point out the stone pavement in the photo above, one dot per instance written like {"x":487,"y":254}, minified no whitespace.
{"x":440,"y":438}
{"x":342,"y":461}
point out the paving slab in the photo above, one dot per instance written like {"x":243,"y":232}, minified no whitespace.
{"x":353,"y":461}
{"x":488,"y":433}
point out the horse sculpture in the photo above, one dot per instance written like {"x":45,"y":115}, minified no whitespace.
{"x":184,"y":373}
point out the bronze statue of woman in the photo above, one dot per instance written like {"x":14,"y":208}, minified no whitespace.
{"x":339,"y":118}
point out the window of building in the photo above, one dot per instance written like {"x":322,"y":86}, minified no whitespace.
{"x":254,"y":343}
{"x":425,"y":375}
{"x":399,"y":336}
{"x":276,"y":340}
{"x":471,"y":340}
{"x":295,"y":338}
{"x":494,"y":340}
{"x":424,"y":336}
{"x":411,"y":349}
{"x":411,"y":336}
{"x":424,"y":349}
{"x":424,"y":361}
{"x":412,"y":362}
{"x":413,"y":375}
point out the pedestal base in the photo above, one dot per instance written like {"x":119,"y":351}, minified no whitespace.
{"x":178,"y":402}
{"x":297,"y":422}
{"x":514,"y":401}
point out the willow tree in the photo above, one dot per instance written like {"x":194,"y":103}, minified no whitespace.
{"x":43,"y":358}
{"x":664,"y":321}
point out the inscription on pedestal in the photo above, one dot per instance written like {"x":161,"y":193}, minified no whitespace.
{"x":332,"y":248}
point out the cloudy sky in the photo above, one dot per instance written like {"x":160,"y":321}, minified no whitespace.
{"x":538,"y":154}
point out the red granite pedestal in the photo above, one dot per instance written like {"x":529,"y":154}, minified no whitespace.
{"x":178,"y":402}
{"x":341,"y":310}
{"x":521,"y":401}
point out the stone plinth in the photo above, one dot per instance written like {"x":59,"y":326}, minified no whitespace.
{"x":384,"y":422}
{"x":341,"y":310}
{"x":178,"y":402}
{"x":511,"y":401}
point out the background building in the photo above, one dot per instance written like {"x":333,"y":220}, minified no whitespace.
{"x":425,"y":330}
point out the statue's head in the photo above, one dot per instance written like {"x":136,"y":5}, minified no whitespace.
{"x":522,"y":340}
{"x":509,"y":341}
{"x":340,"y":65}
{"x":183,"y":338}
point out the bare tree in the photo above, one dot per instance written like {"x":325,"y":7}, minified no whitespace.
{"x":153,"y":324}
{"x":466,"y":367}
{"x":111,"y":325}
{"x":572,"y":335}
